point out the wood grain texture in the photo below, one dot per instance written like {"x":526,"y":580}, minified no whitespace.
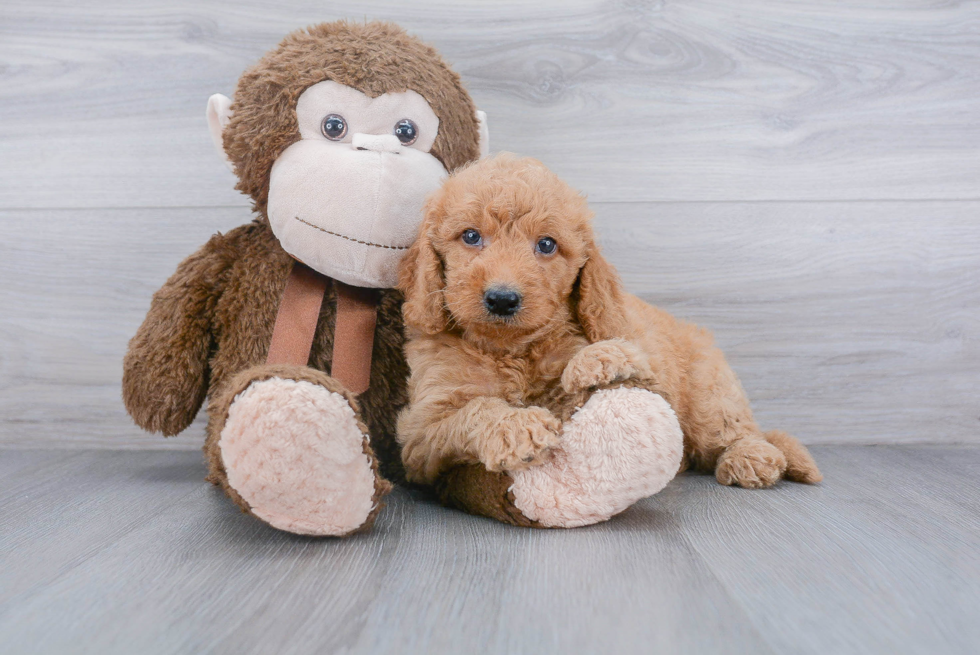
{"x":847,"y":322}
{"x":90,"y":499}
{"x":874,"y":543}
{"x":879,"y":558}
{"x":74,"y":286}
{"x":102,"y":103}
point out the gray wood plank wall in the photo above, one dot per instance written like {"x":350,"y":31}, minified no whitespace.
{"x":801,"y":177}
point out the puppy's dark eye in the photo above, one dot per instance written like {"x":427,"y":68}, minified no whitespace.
{"x":546,"y":246}
{"x":334,"y":127}
{"x":472,"y":238}
{"x":407,"y":131}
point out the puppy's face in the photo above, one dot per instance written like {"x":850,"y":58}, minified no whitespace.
{"x":509,"y":239}
{"x":507,"y":267}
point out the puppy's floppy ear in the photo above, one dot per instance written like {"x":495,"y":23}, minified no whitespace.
{"x":599,"y":299}
{"x":421,"y":280}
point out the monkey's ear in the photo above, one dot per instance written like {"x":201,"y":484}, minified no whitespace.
{"x":219,"y":113}
{"x":600,"y":299}
{"x":481,"y":119}
{"x":421,"y":280}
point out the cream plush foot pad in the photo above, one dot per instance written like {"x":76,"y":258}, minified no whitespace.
{"x":622,"y":446}
{"x":294,"y":452}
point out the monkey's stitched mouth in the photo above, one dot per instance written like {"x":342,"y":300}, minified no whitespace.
{"x":344,"y":236}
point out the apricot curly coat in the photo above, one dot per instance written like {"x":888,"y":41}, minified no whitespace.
{"x":494,"y":390}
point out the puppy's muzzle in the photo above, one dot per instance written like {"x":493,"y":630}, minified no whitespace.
{"x":502,"y":301}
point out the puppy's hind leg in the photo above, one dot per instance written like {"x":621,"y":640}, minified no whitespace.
{"x":722,"y":434}
{"x":750,"y":462}
{"x":753,"y":464}
{"x":800,"y":466}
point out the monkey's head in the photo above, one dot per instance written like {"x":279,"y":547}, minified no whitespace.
{"x":338,"y":135}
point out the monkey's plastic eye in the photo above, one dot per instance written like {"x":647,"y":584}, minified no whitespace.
{"x":472,"y":238}
{"x":546,"y":246}
{"x":334,"y":127}
{"x":406,"y":131}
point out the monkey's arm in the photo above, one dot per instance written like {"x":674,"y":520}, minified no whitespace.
{"x":165,"y":371}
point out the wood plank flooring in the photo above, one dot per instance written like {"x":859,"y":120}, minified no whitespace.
{"x":113,"y":552}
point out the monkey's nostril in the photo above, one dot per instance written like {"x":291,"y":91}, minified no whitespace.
{"x":502,"y":301}
{"x":376,"y":142}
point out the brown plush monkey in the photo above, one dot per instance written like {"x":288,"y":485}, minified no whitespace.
{"x":337,"y":135}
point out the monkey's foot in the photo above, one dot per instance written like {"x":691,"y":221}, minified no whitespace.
{"x":621,"y":446}
{"x":295,"y":453}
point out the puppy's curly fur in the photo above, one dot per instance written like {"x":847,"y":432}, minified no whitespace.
{"x":494,"y":387}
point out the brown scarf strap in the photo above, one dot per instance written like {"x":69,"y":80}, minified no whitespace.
{"x":299,"y":309}
{"x":353,"y":335}
{"x":353,"y":341}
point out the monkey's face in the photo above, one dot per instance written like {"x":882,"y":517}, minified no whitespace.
{"x":346,"y":199}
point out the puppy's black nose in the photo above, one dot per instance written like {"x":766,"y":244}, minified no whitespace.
{"x":502,"y":301}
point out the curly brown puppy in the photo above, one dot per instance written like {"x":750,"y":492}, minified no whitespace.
{"x":514,"y":316}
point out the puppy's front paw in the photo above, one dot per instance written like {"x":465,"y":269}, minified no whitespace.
{"x":521,"y":438}
{"x":600,"y":363}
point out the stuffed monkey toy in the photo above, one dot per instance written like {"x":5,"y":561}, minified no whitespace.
{"x":290,"y":326}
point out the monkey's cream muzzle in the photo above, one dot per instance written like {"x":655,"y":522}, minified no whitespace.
{"x":349,"y":205}
{"x":349,"y":212}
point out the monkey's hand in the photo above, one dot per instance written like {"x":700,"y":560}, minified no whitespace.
{"x":165,"y":371}
{"x":604,"y":362}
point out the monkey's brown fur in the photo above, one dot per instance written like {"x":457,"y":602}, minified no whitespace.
{"x":494,"y":391}
{"x":210,"y":325}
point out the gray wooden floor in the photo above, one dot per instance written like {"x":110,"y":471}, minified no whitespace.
{"x":121,"y":552}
